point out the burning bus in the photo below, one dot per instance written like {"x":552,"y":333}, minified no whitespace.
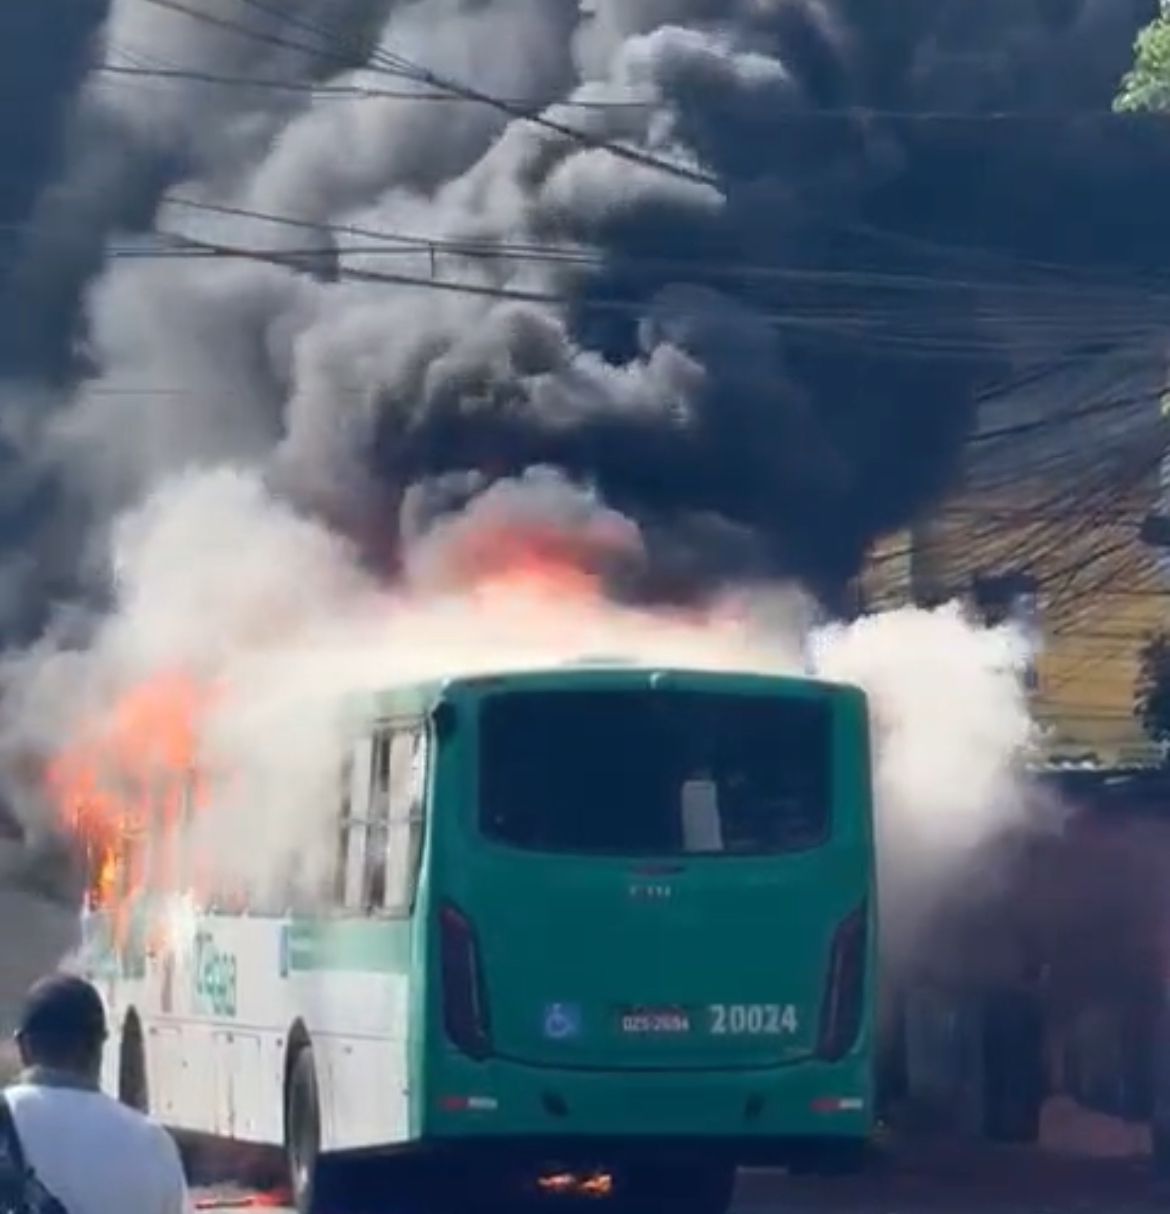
{"x":592,"y":926}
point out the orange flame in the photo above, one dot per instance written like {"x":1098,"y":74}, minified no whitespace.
{"x":246,"y":1201}
{"x":535,"y":560}
{"x":122,"y":784}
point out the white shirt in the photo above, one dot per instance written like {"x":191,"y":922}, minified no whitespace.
{"x":97,"y":1156}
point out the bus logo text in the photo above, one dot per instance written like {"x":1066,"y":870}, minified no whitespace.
{"x":215,"y":978}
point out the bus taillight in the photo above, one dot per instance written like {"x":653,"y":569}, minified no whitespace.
{"x":845,"y":989}
{"x":465,"y":1007}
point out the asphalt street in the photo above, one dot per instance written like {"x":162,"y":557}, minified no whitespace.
{"x":931,"y":1181}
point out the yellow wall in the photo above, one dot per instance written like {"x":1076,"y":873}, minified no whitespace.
{"x":1100,"y":597}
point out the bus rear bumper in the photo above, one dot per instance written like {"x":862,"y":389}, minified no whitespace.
{"x":496,"y":1099}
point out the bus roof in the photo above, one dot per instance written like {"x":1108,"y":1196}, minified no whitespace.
{"x":411,"y":698}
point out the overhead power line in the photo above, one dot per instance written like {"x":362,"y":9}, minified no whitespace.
{"x":423,"y":75}
{"x":533,"y":106}
{"x":351,"y":92}
{"x":1139,"y":302}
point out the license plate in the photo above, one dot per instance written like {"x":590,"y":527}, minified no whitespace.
{"x":659,"y":1022}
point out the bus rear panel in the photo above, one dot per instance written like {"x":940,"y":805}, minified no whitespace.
{"x":651,"y":914}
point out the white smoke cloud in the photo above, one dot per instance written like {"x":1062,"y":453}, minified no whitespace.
{"x":225,"y":128}
{"x":219,"y":580}
{"x":335,"y":158}
{"x":952,"y":730}
{"x":239,"y":410}
{"x":197,"y":361}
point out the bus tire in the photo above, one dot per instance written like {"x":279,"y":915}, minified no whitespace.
{"x":132,"y":1085}
{"x":682,"y":1187}
{"x":310,"y":1174}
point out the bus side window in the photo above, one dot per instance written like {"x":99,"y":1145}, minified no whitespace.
{"x":344,"y":827}
{"x":407,"y":792}
{"x":378,"y":828}
{"x":356,"y":809}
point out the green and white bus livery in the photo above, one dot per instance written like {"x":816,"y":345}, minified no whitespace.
{"x":587,"y":923}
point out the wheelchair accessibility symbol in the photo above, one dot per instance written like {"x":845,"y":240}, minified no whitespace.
{"x":562,"y":1021}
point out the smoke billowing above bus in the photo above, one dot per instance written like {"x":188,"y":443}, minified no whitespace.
{"x":681,"y":285}
{"x":240,"y":627}
{"x":331,"y":373}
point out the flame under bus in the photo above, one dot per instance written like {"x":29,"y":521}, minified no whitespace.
{"x":609,"y":925}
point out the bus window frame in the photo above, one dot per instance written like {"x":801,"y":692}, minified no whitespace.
{"x":361,"y":826}
{"x":375,"y":858}
{"x":344,"y":827}
{"x":407,"y":817}
{"x":354,"y":825}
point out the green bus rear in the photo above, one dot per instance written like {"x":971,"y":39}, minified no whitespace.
{"x":647,"y":914}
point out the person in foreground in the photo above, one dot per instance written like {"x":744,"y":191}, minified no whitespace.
{"x":75,"y":1150}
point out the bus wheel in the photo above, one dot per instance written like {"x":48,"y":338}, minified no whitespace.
{"x":702,"y":1187}
{"x":309,"y":1174}
{"x":132,"y":1089}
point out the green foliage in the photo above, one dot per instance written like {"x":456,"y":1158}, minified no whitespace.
{"x":1152,"y":698}
{"x":1147,"y":85}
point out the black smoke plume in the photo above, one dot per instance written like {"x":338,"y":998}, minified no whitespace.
{"x":766,"y":358}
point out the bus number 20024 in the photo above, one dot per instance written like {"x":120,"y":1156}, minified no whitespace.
{"x":753,"y":1019}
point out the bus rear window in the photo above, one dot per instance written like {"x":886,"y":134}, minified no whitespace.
{"x":641,"y":773}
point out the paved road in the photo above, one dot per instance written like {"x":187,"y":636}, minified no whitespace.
{"x":987,"y":1182}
